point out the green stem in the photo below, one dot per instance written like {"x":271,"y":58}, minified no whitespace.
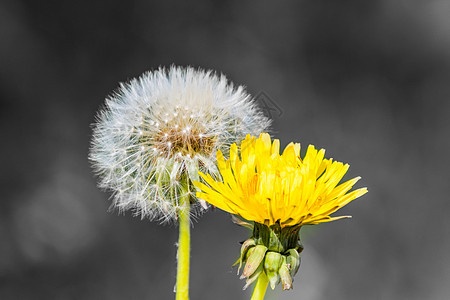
{"x":261,"y":287}
{"x":184,"y":240}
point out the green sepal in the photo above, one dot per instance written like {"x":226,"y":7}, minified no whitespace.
{"x":241,"y":222}
{"x":293,"y":261}
{"x":244,"y":259}
{"x":254,"y":260}
{"x":272,"y":264}
{"x":244,"y":249}
{"x":275,"y":237}
{"x":254,"y":276}
{"x":285,"y":276}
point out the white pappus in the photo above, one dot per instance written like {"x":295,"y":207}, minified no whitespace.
{"x":156,"y":132}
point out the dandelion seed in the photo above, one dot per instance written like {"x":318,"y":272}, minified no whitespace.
{"x":160,"y":155}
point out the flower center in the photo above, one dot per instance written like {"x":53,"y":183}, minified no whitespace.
{"x":184,"y":141}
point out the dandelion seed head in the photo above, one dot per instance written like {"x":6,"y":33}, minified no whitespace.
{"x":156,"y":132}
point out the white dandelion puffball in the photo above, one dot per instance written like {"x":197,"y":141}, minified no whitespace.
{"x":156,"y":132}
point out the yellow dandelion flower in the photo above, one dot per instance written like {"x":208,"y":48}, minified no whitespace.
{"x":268,"y":188}
{"x":280,"y":193}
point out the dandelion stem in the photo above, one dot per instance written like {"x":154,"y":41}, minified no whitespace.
{"x":260,"y":288}
{"x":184,"y":240}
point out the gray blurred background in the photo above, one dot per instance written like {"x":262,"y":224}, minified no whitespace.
{"x":366,"y":80}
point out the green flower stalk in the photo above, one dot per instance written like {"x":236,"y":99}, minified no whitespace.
{"x":157,"y":132}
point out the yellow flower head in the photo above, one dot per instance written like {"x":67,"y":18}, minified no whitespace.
{"x":268,"y":188}
{"x":280,"y":193}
